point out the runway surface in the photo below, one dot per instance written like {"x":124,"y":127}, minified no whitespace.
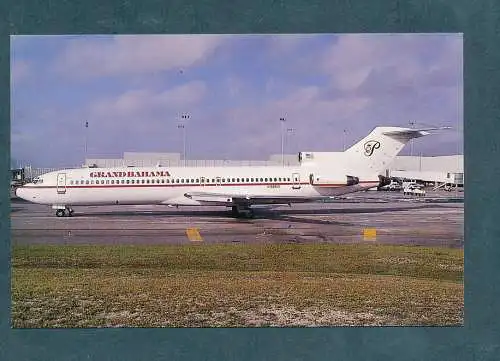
{"x":371,"y":217}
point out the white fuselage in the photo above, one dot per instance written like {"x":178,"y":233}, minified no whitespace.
{"x":158,"y":185}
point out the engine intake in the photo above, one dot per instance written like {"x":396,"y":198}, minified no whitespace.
{"x":351,"y":181}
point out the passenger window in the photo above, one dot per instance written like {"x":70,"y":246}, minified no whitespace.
{"x":288,"y":179}
{"x":147,"y":181}
{"x":132,"y":181}
{"x":213,"y":180}
{"x":128,"y":181}
{"x":261,"y":180}
{"x":275,"y":179}
{"x":252,"y":179}
{"x":107,"y":181}
{"x":87,"y":182}
{"x":279,"y":179}
{"x":157,"y":181}
{"x":197,"y":180}
{"x":176,"y":181}
{"x":223,"y":180}
{"x":163,"y":180}
{"x":265,"y":179}
{"x":112,"y":181}
{"x":233,"y":180}
{"x":192,"y":180}
{"x":92,"y":181}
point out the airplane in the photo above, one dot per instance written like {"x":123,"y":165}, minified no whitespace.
{"x":319,"y":176}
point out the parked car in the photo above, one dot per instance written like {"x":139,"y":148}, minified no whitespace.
{"x":393,"y":186}
{"x":414,"y":189}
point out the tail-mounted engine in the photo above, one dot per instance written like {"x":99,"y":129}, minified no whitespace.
{"x":326,"y":181}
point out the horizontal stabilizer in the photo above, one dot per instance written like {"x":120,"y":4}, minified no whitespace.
{"x":411,"y":133}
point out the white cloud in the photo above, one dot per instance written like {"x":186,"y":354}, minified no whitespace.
{"x":282,"y":44}
{"x":234,"y":86}
{"x":393,"y":59}
{"x":145,"y":101}
{"x":135,"y":54}
{"x":305,"y":110}
{"x":19,"y":70}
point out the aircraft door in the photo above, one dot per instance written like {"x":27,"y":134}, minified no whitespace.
{"x":295,"y":181}
{"x":61,"y":183}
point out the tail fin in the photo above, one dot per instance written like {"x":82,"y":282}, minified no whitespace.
{"x":377,"y":150}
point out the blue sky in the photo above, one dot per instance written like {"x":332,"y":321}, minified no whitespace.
{"x":133,"y":90}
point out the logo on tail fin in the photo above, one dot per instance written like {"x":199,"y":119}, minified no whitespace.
{"x":370,"y":147}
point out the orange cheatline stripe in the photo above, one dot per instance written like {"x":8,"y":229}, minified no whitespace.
{"x":189,"y":185}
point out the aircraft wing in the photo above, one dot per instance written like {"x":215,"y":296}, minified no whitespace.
{"x":238,"y":199}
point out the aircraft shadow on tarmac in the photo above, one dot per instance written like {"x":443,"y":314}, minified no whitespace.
{"x":288,"y":215}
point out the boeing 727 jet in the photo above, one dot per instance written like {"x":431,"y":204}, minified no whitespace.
{"x":320,"y":175}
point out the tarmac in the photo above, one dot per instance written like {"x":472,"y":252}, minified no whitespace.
{"x":367,"y":217}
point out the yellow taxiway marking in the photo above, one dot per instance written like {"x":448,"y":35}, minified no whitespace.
{"x":370,"y":234}
{"x":194,"y":235}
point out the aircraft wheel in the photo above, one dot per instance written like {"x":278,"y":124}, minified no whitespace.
{"x":60,"y":213}
{"x":235,"y":211}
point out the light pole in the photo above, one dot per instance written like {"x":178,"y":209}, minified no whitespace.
{"x":412,"y":123}
{"x":182,"y":126}
{"x":289,"y":131}
{"x":86,"y":135}
{"x":282,"y":120}
{"x":343,"y":140}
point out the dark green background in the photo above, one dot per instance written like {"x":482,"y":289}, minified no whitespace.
{"x":480,"y":23}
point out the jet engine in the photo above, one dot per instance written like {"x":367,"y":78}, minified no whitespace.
{"x":351,"y":181}
{"x":326,"y":181}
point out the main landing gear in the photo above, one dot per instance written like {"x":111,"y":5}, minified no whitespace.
{"x":64,"y":212}
{"x":237,"y":212}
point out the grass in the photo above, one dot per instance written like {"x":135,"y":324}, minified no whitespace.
{"x":231,"y":285}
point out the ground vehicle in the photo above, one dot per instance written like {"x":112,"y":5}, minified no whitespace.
{"x":393,"y":186}
{"x":414,"y":189}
